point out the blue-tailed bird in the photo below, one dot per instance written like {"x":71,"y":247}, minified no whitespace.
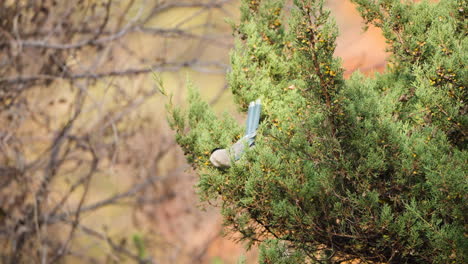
{"x":222,"y":158}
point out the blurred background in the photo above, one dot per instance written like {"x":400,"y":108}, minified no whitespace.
{"x":89,"y":170}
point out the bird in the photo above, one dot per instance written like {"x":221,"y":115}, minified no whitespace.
{"x":223,"y":158}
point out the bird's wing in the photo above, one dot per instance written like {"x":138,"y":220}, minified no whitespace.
{"x":237,"y":149}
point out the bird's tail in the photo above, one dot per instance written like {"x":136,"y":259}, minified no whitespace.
{"x":249,"y":118}
{"x":253,"y":120}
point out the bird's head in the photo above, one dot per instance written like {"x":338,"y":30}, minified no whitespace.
{"x":220,"y":158}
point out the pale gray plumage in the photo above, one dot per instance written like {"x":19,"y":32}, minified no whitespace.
{"x":222,"y":158}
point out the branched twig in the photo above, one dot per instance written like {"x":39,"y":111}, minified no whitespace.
{"x":57,"y":142}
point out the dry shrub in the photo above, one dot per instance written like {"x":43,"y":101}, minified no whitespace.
{"x":75,"y":114}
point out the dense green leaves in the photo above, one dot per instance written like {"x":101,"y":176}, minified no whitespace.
{"x":361,"y":168}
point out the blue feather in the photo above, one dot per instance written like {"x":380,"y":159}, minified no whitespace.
{"x":249,"y":118}
{"x":253,"y":122}
{"x":257,"y":115}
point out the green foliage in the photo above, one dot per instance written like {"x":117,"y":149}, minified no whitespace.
{"x":139,"y":244}
{"x":274,"y":251}
{"x":369,"y":168}
{"x":217,"y":260}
